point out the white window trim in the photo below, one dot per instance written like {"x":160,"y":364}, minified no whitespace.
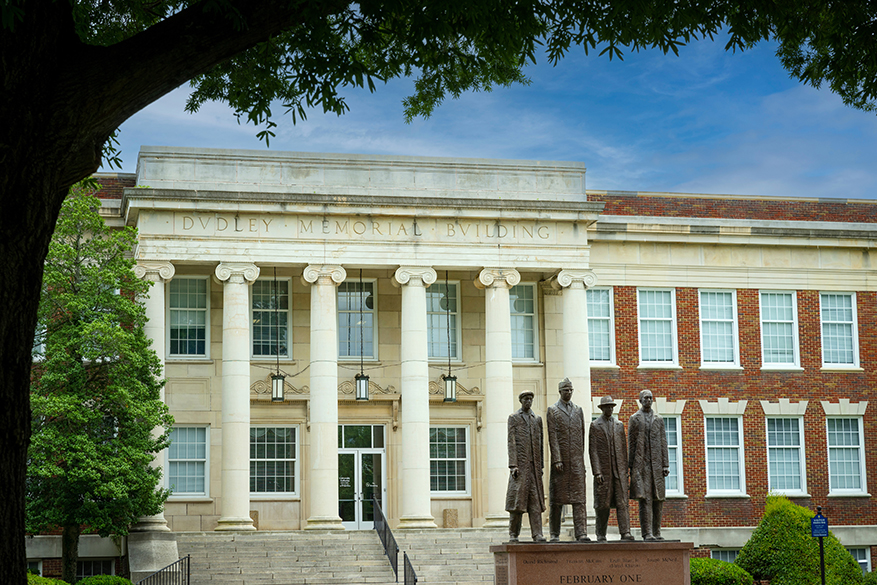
{"x":680,"y":481}
{"x":468,"y":490}
{"x":674,"y":364}
{"x":39,"y":564}
{"x":288,"y":311}
{"x":166,"y":475}
{"x":167,"y":316}
{"x":796,"y":344}
{"x":863,"y":491}
{"x":867,"y":559}
{"x":535,"y":289}
{"x":713,"y":552}
{"x":855,"y":326}
{"x":610,"y":363}
{"x":458,"y":333}
{"x":296,"y":481}
{"x":735,"y":363}
{"x":712,"y":492}
{"x":80,"y":560}
{"x":375,"y":346}
{"x":801,"y":458}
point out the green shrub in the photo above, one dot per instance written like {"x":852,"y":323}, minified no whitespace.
{"x":870,"y":578}
{"x":716,"y":572}
{"x":104,"y":580}
{"x":37,"y":580}
{"x":782,"y":550}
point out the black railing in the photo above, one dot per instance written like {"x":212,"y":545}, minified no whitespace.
{"x":176,"y":573}
{"x":410,"y":575}
{"x":386,"y":535}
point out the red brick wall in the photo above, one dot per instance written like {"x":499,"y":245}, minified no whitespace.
{"x":691,"y":384}
{"x":113,"y":185}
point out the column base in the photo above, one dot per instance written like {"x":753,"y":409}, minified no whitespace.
{"x":156,"y":523}
{"x":149,"y":552}
{"x":496,"y":521}
{"x":236,"y":524}
{"x":416,"y":522}
{"x":324,"y":523}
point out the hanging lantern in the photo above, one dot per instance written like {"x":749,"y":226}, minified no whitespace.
{"x":450,"y":380}
{"x":450,"y":388}
{"x":277,"y":381}
{"x":361,"y":387}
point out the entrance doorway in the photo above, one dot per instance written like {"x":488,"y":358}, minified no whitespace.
{"x":362,"y":473}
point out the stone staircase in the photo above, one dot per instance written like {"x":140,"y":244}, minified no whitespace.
{"x":459,"y":556}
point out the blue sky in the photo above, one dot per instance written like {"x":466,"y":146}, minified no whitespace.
{"x":708,"y":121}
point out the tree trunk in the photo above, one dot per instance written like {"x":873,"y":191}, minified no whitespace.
{"x":70,"y":552}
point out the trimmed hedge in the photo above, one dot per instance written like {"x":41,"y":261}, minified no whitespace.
{"x":782,"y":550}
{"x":716,"y":572}
{"x":37,"y":580}
{"x":870,"y":578}
{"x":104,"y":580}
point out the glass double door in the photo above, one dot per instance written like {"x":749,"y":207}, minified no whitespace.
{"x":361,"y":474}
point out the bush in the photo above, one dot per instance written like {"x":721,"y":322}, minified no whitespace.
{"x":782,"y":550}
{"x":716,"y":572}
{"x":870,"y":578}
{"x":104,"y":580}
{"x":37,"y":580}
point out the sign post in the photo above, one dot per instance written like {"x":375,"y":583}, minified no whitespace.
{"x":819,"y":529}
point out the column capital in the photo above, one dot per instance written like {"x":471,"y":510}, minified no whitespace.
{"x":240,"y":272}
{"x":498,"y":277}
{"x":416,"y":275}
{"x":574,"y":278}
{"x":155,"y":271}
{"x":324,"y":274}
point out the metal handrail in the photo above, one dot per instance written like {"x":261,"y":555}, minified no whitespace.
{"x":410,"y":575}
{"x":176,"y":573}
{"x":386,"y":535}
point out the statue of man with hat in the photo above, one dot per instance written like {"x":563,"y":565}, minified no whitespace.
{"x":525,"y":492}
{"x":649,"y":465}
{"x":566,"y":437}
{"x":607,"y":447}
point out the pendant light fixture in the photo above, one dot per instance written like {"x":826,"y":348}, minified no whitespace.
{"x":277,"y":379}
{"x":450,"y":380}
{"x":361,"y":378}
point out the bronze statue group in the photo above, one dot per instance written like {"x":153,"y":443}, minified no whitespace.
{"x":625,"y":466}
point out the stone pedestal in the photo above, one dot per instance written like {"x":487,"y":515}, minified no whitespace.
{"x":646,"y":563}
{"x":149,"y":552}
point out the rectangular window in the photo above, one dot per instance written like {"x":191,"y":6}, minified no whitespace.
{"x":785,"y":455}
{"x":846,"y":455}
{"x":270,"y":314}
{"x":729,"y":555}
{"x":443,"y":320}
{"x":449,"y":460}
{"x":187,"y":461}
{"x":724,"y":455}
{"x":779,"y":329}
{"x":718,"y":328}
{"x":862,"y":557}
{"x":522,"y":302}
{"x":273,"y":454}
{"x":188,"y":316}
{"x":601,"y":326}
{"x":840,"y":344}
{"x":673,"y":482}
{"x":657,"y":326}
{"x":90,"y":568}
{"x":35,"y":567}
{"x":356,"y":320}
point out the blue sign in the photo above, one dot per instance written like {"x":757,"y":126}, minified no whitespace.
{"x":819,"y":526}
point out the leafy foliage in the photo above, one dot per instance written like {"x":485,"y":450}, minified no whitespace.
{"x":37,"y":580}
{"x":870,"y":578}
{"x":716,"y":572}
{"x":95,"y":396}
{"x":104,"y":580}
{"x":782,"y":550}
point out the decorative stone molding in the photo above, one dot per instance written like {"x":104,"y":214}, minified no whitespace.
{"x":491,"y":277}
{"x":668,"y":407}
{"x":348,"y":388}
{"x":325,"y":273}
{"x":574,"y":278}
{"x":844,"y":408}
{"x":548,"y":288}
{"x":405,"y":274}
{"x":438,"y":388}
{"x":261,"y":389}
{"x":155,"y":271}
{"x":723,"y":406}
{"x":784,"y":407}
{"x":240,"y":272}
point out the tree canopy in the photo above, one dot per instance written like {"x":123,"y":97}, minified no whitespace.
{"x":95,"y":389}
{"x":72,"y":71}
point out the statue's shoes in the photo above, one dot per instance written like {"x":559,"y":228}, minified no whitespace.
{"x":555,"y":539}
{"x":513,"y":539}
{"x":628,"y":537}
{"x":583,"y":538}
{"x":539,"y":538}
{"x":650,"y":538}
{"x":601,"y":539}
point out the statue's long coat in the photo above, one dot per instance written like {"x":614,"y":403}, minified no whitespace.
{"x":647,"y":465}
{"x":566,"y":437}
{"x":525,"y":453}
{"x":599,"y":437}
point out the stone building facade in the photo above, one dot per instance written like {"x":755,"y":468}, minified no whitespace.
{"x":751,"y":319}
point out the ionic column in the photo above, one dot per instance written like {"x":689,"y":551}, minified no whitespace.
{"x":323,"y":454}
{"x":498,"y":386}
{"x":159,"y":274}
{"x":416,"y":504}
{"x":236,"y":279}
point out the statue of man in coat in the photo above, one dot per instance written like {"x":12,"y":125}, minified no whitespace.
{"x":649,"y":465}
{"x":607,"y":446}
{"x":525,"y":492}
{"x":566,"y":438}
